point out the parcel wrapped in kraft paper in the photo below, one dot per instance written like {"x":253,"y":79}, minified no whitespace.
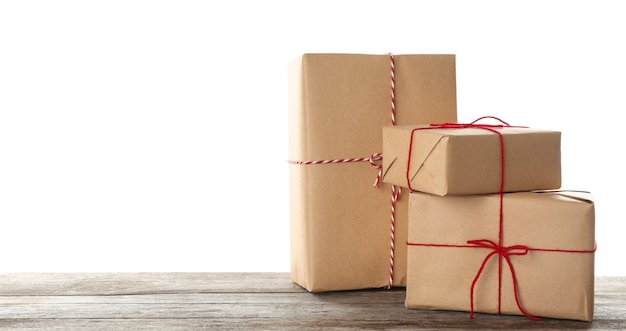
{"x":462,"y":159}
{"x":347,"y":233}
{"x":536,"y":260}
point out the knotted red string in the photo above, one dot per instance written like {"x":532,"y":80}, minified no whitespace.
{"x":395,"y":191}
{"x":452,"y":125}
{"x":503,"y":252}
{"x":497,"y":248}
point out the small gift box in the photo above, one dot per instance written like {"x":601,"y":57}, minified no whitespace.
{"x":524,"y":253}
{"x":461,"y":159}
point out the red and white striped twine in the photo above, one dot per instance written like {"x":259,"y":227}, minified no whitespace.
{"x":393,"y":89}
{"x":395,"y":191}
{"x":395,"y":195}
{"x":372,"y":160}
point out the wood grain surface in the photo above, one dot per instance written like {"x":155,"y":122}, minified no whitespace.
{"x":247,"y":301}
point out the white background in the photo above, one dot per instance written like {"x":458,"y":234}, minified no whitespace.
{"x":152,"y":135}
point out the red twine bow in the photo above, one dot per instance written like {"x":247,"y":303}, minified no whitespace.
{"x":503,"y":252}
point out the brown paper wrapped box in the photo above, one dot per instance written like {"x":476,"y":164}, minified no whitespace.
{"x":463,"y":161}
{"x":338,"y":103}
{"x":555,"y":284}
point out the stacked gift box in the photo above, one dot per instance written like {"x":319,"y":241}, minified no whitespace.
{"x":467,"y":216}
{"x":486,"y":234}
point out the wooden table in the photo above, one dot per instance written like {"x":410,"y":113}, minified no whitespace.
{"x":249,"y":301}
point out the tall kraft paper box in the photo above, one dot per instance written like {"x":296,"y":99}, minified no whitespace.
{"x":338,"y":103}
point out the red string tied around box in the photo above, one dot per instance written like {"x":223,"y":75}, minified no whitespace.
{"x":503,"y":252}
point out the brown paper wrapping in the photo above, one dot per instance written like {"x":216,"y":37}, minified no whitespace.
{"x":468,"y":160}
{"x":550,"y":284}
{"x":338,"y":104}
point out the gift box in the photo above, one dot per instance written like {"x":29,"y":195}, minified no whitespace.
{"x":458,"y":159}
{"x":343,"y":233}
{"x":535,"y":260}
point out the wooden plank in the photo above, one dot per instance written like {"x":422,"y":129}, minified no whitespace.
{"x":609,"y":305}
{"x":422,"y":321}
{"x":142,"y":283}
{"x":180,"y":301}
{"x":263,"y":324}
{"x":227,"y":306}
{"x":357,"y":297}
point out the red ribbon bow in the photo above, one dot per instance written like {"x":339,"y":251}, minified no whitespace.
{"x":503,"y":252}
